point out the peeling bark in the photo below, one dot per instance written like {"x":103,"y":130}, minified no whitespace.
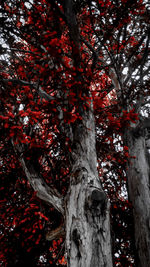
{"x":88,"y":241}
{"x":138,"y":175}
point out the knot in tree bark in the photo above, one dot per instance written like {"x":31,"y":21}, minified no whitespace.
{"x":97,"y":197}
{"x":96,"y":201}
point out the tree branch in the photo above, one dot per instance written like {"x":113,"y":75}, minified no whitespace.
{"x":56,"y":233}
{"x":40,"y":91}
{"x":44,"y":192}
{"x":73,"y":29}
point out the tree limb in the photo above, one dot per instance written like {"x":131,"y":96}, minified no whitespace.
{"x":44,"y":192}
{"x":40,"y":91}
{"x":56,"y":233}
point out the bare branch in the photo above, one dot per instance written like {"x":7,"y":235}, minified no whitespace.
{"x":40,"y":91}
{"x":134,"y":51}
{"x":44,"y":192}
{"x":56,"y":233}
{"x":18,"y":81}
{"x":114,"y":78}
{"x":44,"y":95}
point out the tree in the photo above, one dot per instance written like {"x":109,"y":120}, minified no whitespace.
{"x":68,"y":66}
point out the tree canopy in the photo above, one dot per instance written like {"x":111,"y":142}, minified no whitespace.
{"x":60,"y":59}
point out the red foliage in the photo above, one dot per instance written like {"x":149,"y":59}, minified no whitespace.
{"x":44,"y":58}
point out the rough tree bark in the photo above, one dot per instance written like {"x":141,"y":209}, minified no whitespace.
{"x":86,"y":207}
{"x":88,"y":240}
{"x":138,"y":176}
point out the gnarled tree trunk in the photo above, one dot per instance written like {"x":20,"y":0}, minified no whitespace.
{"x":139,"y":193}
{"x":88,"y":241}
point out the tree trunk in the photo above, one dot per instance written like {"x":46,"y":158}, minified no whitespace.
{"x":139,"y":193}
{"x":88,"y":241}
